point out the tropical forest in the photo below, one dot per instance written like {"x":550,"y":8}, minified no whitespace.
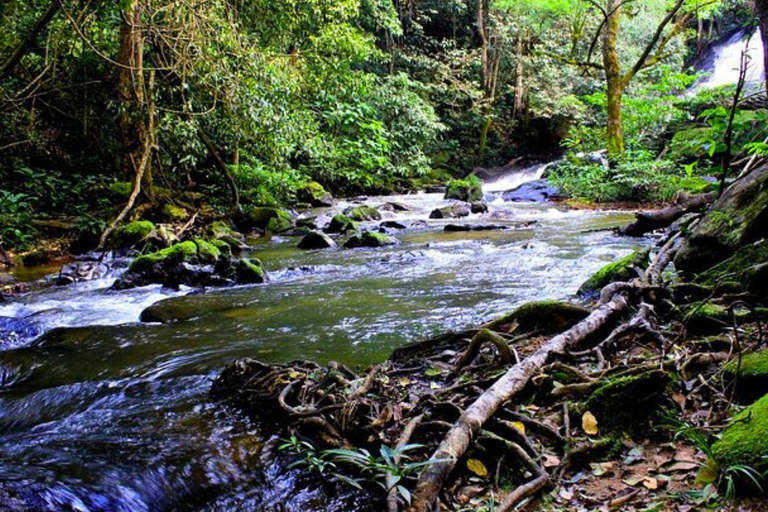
{"x":383,"y":255}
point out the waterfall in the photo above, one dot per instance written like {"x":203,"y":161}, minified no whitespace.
{"x":722,"y":66}
{"x":515,"y":178}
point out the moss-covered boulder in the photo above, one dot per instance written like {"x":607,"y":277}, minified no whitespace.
{"x":362,"y":213}
{"x":712,"y":318}
{"x":745,"y":442}
{"x":752,"y":380}
{"x":736,"y":220}
{"x":224,"y":248}
{"x":120,"y":189}
{"x":454,"y":211}
{"x":207,"y":253}
{"x":249,"y":272}
{"x":545,"y":317}
{"x":313,"y":193}
{"x":468,"y":190}
{"x":370,"y":239}
{"x":173,"y":214}
{"x":341,"y":224}
{"x":132,"y":234}
{"x":748,"y":268}
{"x":223,"y":232}
{"x":629,"y":402}
{"x":269,"y":219}
{"x":316,"y":240}
{"x":624,"y":269}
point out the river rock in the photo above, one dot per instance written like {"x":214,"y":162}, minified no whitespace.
{"x":273,"y":220}
{"x":468,"y":190}
{"x":392,"y":224}
{"x":17,"y":332}
{"x":314,"y":194}
{"x":392,"y":206}
{"x":223,"y":232}
{"x":316,"y":240}
{"x":341,"y":224}
{"x":737,"y":219}
{"x":370,"y":239}
{"x":453,"y":211}
{"x":80,"y":271}
{"x":625,"y":269}
{"x":537,"y":191}
{"x":132,"y":234}
{"x":362,"y":213}
{"x":470,"y":227}
{"x":479,"y":207}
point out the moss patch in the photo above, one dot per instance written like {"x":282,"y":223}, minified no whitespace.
{"x":314,"y":194}
{"x":736,"y":266}
{"x":207,"y":252}
{"x":171,"y":213}
{"x":249,"y":272}
{"x":265,"y":218}
{"x":467,"y":190}
{"x":708,"y":318}
{"x":753,"y":374}
{"x":545,"y":316}
{"x":185,"y":251}
{"x":621,"y":270}
{"x":370,"y":239}
{"x":132,"y":233}
{"x":362,"y":213}
{"x":342,"y":224}
{"x":746,"y":440}
{"x":628,"y":402}
{"x":122,"y":189}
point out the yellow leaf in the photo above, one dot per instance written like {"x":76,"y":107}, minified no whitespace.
{"x":519,"y":426}
{"x":651,"y":483}
{"x":589,"y":423}
{"x":295,"y":375}
{"x":404,"y":381}
{"x":477,"y":467}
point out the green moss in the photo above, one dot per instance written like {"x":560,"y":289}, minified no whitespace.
{"x":261,"y":217}
{"x":370,"y":239}
{"x":223,"y":247}
{"x":207,"y":252}
{"x":362,"y":213}
{"x":132,"y":233}
{"x":469,"y":189}
{"x":249,"y":272}
{"x":280,"y":224}
{"x":746,"y":440}
{"x":314,"y":194}
{"x":342,"y":224}
{"x":714,"y":317}
{"x":697,"y":185}
{"x":621,"y":270}
{"x":173,"y":213}
{"x":185,"y":251}
{"x":734,"y":267}
{"x":545,"y":317}
{"x":628,"y":402}
{"x":121,"y":188}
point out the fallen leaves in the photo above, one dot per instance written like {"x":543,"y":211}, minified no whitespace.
{"x":477,"y":467}
{"x":589,"y":424}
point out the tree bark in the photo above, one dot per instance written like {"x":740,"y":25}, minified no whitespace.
{"x":614,"y":81}
{"x":659,"y":219}
{"x":29,"y":40}
{"x":519,"y":78}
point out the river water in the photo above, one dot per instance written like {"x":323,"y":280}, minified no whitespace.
{"x":104,"y":413}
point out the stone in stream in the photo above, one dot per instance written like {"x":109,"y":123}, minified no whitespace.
{"x":455,"y":228}
{"x":537,"y":191}
{"x":314,"y":194}
{"x":392,"y":224}
{"x":17,"y":332}
{"x":370,"y":239}
{"x":392,"y":206}
{"x":435,"y":189}
{"x":316,"y":240}
{"x":273,"y":220}
{"x":453,"y":211}
{"x":362,"y":213}
{"x":479,"y":207}
{"x":81,"y":271}
{"x":341,"y":224}
{"x":468,"y":190}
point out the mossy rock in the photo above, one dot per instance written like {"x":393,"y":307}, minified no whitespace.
{"x":179,"y":253}
{"x":468,"y":190}
{"x":249,"y":272}
{"x":745,"y":442}
{"x":370,"y":239}
{"x":316,"y":240}
{"x":752,"y":374}
{"x":709,"y":318}
{"x":342,"y":224}
{"x":268,"y":219}
{"x":545,"y":317}
{"x":121,"y":189}
{"x":362,"y":213}
{"x":173,"y":214}
{"x":314,"y":194}
{"x":132,"y":234}
{"x":738,"y":267}
{"x":621,"y":270}
{"x":207,"y":253}
{"x":628,"y":402}
{"x":224,"y":248}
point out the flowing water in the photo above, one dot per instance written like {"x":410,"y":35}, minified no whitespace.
{"x":721,"y":67}
{"x":104,"y":413}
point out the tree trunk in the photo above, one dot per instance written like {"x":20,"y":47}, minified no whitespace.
{"x":131,"y":94}
{"x":762,"y":14}
{"x":519,"y":78}
{"x":614,"y":80}
{"x":26,"y":44}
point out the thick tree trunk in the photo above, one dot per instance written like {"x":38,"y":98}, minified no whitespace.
{"x":614,"y":80}
{"x":762,"y":14}
{"x":519,"y":78}
{"x":131,"y":94}
{"x":458,"y":439}
{"x":29,"y":40}
{"x":659,"y":219}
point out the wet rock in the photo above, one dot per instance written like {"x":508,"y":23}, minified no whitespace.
{"x":316,"y":240}
{"x":362,"y":213}
{"x":545,"y":317}
{"x":479,"y":207}
{"x":341,"y":224}
{"x":222,"y":231}
{"x":370,"y":239}
{"x":273,"y":220}
{"x":468,"y":190}
{"x":80,"y":271}
{"x":453,"y":211}
{"x":132,"y":234}
{"x":35,"y":258}
{"x":17,"y":332}
{"x":392,"y":224}
{"x":629,"y":402}
{"x":736,"y":220}
{"x":314,"y":194}
{"x":624,"y":269}
{"x":308,"y":222}
{"x":248,"y":271}
{"x":474,"y":227}
{"x":392,"y":206}
{"x":537,"y":191}
{"x":436,"y":189}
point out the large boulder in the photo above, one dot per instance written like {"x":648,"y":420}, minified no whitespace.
{"x":370,"y":239}
{"x":17,"y":332}
{"x":80,"y":271}
{"x":737,"y":219}
{"x":341,"y":224}
{"x":362,"y":213}
{"x":316,"y":240}
{"x":537,"y":191}
{"x":453,"y":211}
{"x":624,"y":269}
{"x":223,"y":232}
{"x":265,"y":218}
{"x":314,"y":194}
{"x":468,"y":190}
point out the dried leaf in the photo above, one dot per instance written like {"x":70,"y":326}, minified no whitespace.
{"x":404,"y":381}
{"x":519,"y":426}
{"x":650,"y":483}
{"x":589,"y":423}
{"x":550,"y":461}
{"x":680,"y":400}
{"x":683,"y":466}
{"x":602,"y":468}
{"x":433,"y":372}
{"x":477,"y":467}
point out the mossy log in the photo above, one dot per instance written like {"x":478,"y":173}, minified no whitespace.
{"x":648,"y":221}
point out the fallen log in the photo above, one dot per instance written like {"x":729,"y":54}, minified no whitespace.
{"x":659,"y":219}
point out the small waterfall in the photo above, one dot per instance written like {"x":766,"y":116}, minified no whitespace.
{"x":515,"y":178}
{"x":722,"y":66}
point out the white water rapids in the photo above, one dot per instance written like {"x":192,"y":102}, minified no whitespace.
{"x":723,"y":66}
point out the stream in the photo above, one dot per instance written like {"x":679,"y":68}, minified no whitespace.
{"x":105,"y":413}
